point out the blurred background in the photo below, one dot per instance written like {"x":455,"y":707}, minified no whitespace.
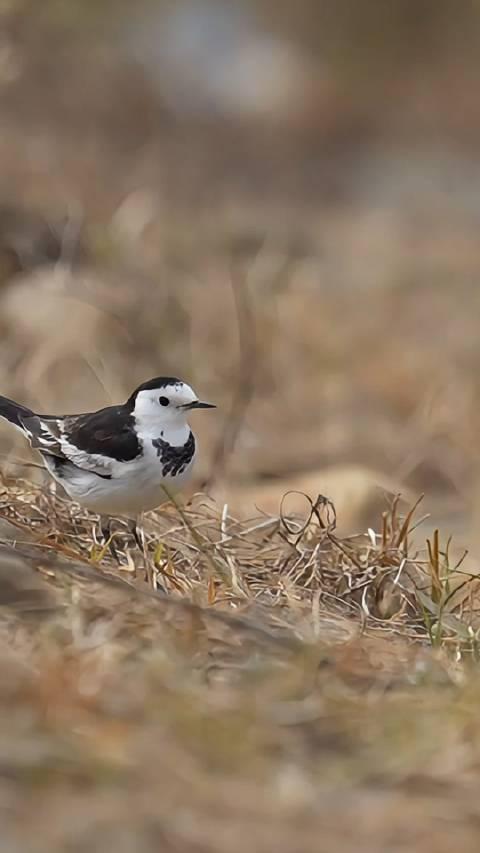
{"x":278,"y":202}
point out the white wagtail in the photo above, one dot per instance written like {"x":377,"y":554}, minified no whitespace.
{"x":122,"y":460}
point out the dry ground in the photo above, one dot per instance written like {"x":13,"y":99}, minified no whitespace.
{"x":269,"y":685}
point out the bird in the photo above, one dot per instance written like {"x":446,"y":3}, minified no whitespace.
{"x":121,"y":460}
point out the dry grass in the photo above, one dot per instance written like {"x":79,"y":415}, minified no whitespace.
{"x":258,"y":684}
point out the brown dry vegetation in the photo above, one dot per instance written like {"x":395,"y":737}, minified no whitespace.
{"x":292,"y":673}
{"x":273,"y":684}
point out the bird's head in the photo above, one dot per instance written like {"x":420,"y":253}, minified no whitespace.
{"x":165,"y":400}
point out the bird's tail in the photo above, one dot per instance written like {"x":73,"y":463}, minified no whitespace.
{"x":14,"y":412}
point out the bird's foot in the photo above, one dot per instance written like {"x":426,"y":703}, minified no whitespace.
{"x":109,"y":536}
{"x":137,"y":533}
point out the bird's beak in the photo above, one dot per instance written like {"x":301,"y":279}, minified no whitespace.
{"x":197,"y":404}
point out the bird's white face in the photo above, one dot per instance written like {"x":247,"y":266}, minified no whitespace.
{"x":168,"y":406}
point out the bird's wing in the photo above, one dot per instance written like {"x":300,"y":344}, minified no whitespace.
{"x":98,"y":442}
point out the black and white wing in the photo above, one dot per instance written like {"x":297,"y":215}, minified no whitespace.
{"x":94,"y":442}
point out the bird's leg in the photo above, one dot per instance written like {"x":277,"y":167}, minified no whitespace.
{"x":137,"y":533}
{"x":106,"y":528}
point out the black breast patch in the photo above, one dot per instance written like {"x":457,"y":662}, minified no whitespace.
{"x":174,"y":459}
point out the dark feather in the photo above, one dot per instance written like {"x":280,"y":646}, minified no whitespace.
{"x":14,"y":412}
{"x":95,"y":433}
{"x":153,"y":384}
{"x":44,"y":434}
{"x":91,"y":433}
{"x":174,"y":459}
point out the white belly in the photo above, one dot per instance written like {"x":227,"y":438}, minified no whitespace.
{"x":141,"y":487}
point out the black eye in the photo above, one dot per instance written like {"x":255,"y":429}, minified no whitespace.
{"x":164,"y":401}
